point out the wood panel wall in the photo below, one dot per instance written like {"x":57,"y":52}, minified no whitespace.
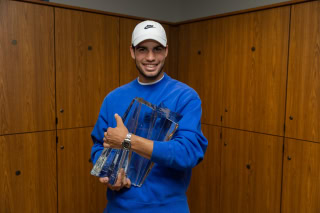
{"x":201,"y":50}
{"x":87,"y":58}
{"x":206,"y":177}
{"x":301,"y":180}
{"x":74,"y":181}
{"x":56,"y":67}
{"x":303,"y":102}
{"x":251,"y":166}
{"x":28,"y":180}
{"x":257,"y":74}
{"x":26,"y":64}
{"x":255,"y":68}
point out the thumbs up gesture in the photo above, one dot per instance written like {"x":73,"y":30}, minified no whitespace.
{"x":114,"y":137}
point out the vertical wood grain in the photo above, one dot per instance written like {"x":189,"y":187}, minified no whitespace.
{"x":303,"y":99}
{"x":27,"y":92}
{"x":301,"y":180}
{"x":251,"y":166}
{"x":255,"y":70}
{"x":128,"y":70}
{"x":201,"y":59}
{"x":204,"y":190}
{"x":34,"y":189}
{"x":87,"y":58}
{"x":78,"y":190}
{"x":172,"y":60}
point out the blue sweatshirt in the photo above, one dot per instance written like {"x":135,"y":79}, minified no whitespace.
{"x":164,"y":190}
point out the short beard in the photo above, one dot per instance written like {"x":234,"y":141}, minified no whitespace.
{"x":152,"y":78}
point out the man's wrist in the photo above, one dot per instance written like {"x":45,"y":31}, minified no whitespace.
{"x":126,"y":144}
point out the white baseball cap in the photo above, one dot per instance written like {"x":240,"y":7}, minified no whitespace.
{"x":149,"y":30}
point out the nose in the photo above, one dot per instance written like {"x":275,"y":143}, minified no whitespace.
{"x":150,"y":56}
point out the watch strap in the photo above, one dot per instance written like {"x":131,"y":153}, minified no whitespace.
{"x":126,"y":144}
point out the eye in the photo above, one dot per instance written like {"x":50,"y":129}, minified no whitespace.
{"x":159,"y":49}
{"x":141,"y":49}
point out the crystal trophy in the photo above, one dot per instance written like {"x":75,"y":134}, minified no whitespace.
{"x":145,"y":120}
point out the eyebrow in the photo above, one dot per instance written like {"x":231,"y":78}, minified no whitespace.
{"x":138,"y":46}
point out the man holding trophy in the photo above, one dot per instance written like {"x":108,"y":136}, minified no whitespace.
{"x":164,"y":189}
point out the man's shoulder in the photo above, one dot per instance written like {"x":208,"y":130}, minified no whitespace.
{"x":183,"y":88}
{"x":124,"y":89}
{"x":119,"y":97}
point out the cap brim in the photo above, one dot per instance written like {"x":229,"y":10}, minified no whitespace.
{"x":151,"y":37}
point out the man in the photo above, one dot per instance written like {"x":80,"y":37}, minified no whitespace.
{"x":165,"y":187}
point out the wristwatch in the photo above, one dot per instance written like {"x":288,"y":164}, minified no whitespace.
{"x":126,"y":144}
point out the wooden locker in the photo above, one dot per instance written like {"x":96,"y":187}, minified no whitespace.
{"x":128,"y":70}
{"x":27,"y":91}
{"x":204,"y":190}
{"x":301,"y":180}
{"x":87,"y":58}
{"x":303,"y":98}
{"x":79,"y":191}
{"x":201,"y":56}
{"x":28,"y":173}
{"x":251,"y":166}
{"x":255,"y":70}
{"x":171,"y":66}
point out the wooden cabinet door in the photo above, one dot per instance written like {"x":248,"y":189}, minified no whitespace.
{"x":78,"y":190}
{"x":303,"y":99}
{"x":27,"y":90}
{"x":255,"y":70}
{"x":204,"y":190}
{"x":171,"y":66}
{"x":251,"y":166}
{"x":128,"y":70}
{"x":301,"y":179}
{"x":87,"y":58}
{"x":201,"y":56}
{"x":28,"y":173}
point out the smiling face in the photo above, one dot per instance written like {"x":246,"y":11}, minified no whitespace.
{"x":149,"y":56}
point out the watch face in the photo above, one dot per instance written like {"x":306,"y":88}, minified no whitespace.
{"x":126,"y":144}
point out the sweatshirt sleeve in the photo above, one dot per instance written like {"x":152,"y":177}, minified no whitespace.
{"x":187,"y":148}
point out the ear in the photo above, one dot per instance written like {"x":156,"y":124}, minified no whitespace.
{"x":132,"y":52}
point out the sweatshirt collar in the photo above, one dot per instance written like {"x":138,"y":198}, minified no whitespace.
{"x":151,"y":83}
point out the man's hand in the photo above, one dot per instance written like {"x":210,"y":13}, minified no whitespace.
{"x":114,"y":137}
{"x":122,"y":181}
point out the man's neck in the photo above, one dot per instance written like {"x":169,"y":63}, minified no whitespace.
{"x":150,"y":82}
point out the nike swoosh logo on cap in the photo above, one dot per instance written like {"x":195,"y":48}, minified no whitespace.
{"x":149,"y":26}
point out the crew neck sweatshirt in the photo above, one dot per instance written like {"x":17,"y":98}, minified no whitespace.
{"x":165,"y":187}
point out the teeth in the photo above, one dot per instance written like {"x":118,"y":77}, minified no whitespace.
{"x":150,"y":67}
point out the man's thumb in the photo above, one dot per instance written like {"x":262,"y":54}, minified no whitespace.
{"x":118,"y":120}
